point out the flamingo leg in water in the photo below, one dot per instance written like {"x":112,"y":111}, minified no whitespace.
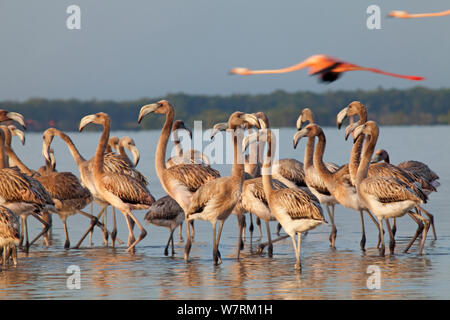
{"x":418,"y":231}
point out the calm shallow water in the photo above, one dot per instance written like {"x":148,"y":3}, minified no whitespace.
{"x":108,"y":273}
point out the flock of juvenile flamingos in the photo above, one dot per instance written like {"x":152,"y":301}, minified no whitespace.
{"x":285,"y":190}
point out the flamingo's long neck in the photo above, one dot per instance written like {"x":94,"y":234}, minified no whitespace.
{"x":48,"y":166}
{"x":253,"y":155}
{"x":123,"y":153}
{"x":323,"y":171}
{"x":262,"y":146}
{"x":176,"y":141}
{"x":16,"y":161}
{"x":267,"y":169}
{"x":237,"y":171}
{"x":73,"y":150}
{"x":355,"y":155}
{"x":368,"y":150}
{"x":252,"y":166}
{"x":355,"y":158}
{"x":295,"y":67}
{"x":7,"y":143}
{"x":99,"y":153}
{"x":3,"y":163}
{"x":160,"y":164}
{"x":7,"y":137}
{"x":309,"y":153}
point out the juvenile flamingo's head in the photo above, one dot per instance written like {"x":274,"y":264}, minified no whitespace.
{"x":380,"y":155}
{"x":222,"y":126}
{"x":238,"y":119}
{"x":305,"y":116}
{"x":98,"y":118}
{"x":13,"y":116}
{"x":160,"y":107}
{"x":128,"y":143}
{"x":17,"y":132}
{"x":113,"y":142}
{"x":370,"y":128}
{"x":263,"y":119}
{"x":355,"y":108}
{"x":311,"y":130}
{"x":179,"y":124}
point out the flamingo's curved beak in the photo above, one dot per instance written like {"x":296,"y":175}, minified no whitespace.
{"x":147,"y":109}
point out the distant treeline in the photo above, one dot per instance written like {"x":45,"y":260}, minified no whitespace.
{"x":418,"y":106}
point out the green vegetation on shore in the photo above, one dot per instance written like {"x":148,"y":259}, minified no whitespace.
{"x":416,"y":106}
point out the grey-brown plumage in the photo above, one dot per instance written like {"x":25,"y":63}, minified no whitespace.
{"x":389,"y":190}
{"x":166,"y":212}
{"x":289,"y":171}
{"x":66,"y":189}
{"x":420,"y":169}
{"x":299,"y":204}
{"x":128,"y":189}
{"x":16,"y":187}
{"x":192,"y":176}
{"x":219,"y":193}
{"x":21,"y":193}
{"x":115,"y":163}
{"x":70,"y":197}
{"x":164,"y":208}
{"x":314,"y":181}
{"x":254,"y":188}
{"x":414,"y":173}
{"x":408,"y":178}
{"x":9,"y":235}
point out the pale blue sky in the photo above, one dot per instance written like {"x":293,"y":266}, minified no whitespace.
{"x":133,"y":49}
